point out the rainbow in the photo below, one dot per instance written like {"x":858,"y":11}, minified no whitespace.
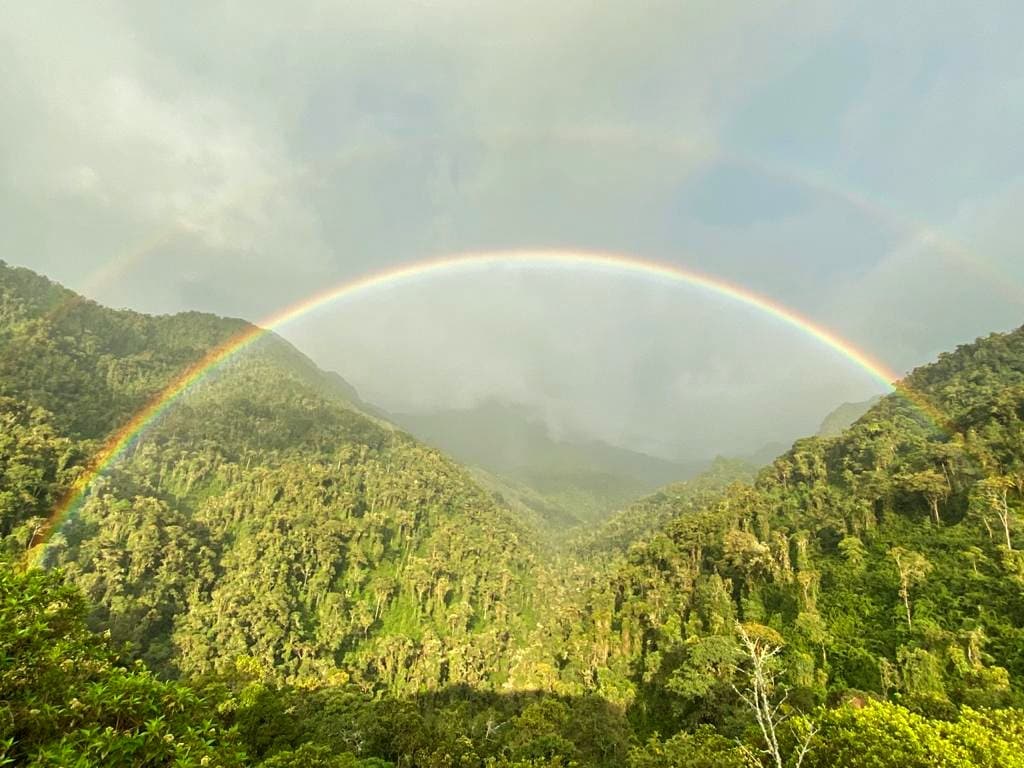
{"x":116,"y":444}
{"x":695,"y":150}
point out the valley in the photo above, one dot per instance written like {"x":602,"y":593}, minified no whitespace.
{"x":571,"y":482}
{"x":273,"y":572}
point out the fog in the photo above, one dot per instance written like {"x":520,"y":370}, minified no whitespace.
{"x":858,"y":164}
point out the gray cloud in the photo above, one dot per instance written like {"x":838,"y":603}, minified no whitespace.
{"x":236,"y":158}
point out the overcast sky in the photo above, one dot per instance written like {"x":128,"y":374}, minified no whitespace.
{"x":860,"y":162}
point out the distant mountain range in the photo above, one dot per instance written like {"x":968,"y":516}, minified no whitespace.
{"x":562,"y":482}
{"x":561,"y":479}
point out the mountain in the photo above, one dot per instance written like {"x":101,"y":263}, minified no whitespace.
{"x":562,"y":480}
{"x":845,"y":416}
{"x":764,"y":455}
{"x":841,"y":417}
{"x":263,"y":516}
{"x":832,"y":425}
{"x":272,"y":575}
{"x":885,"y":563}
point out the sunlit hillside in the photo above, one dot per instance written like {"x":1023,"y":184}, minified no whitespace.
{"x":328,"y":589}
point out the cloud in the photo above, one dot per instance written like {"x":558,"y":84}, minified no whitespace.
{"x":235,"y":159}
{"x":100,"y":125}
{"x":657,"y":365}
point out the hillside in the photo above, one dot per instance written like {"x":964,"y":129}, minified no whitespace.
{"x":264,"y":516}
{"x":649,"y":515}
{"x":560,"y":479}
{"x":271,"y":576}
{"x":882,"y":563}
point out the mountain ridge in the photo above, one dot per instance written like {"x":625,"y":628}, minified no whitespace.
{"x":265,"y":443}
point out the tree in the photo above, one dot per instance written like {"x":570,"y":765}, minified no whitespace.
{"x":703,"y":748}
{"x":853,"y":550}
{"x":761,"y":647}
{"x":992,"y":495}
{"x":885,"y":735}
{"x":68,"y":701}
{"x":931,"y":484}
{"x":913,"y":568}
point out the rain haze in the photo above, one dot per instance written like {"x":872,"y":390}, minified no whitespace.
{"x":857,"y":163}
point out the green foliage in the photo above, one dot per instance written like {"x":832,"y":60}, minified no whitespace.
{"x":887,"y":559}
{"x":66,"y":701}
{"x":289,"y":581}
{"x":35,"y":463}
{"x":646,"y":517}
{"x":701,"y":749}
{"x":262,"y":517}
{"x":883,"y":735}
{"x":317,"y":756}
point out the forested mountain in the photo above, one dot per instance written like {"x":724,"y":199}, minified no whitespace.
{"x":563,"y":480}
{"x":270,"y":576}
{"x":263,"y":516}
{"x":885,"y":562}
{"x":649,"y":515}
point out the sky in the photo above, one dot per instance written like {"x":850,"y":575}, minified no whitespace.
{"x":859,"y":162}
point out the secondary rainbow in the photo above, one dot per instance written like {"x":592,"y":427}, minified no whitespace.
{"x":468,"y":262}
{"x":703,"y":152}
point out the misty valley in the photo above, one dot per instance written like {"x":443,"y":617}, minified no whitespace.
{"x":266,"y":570}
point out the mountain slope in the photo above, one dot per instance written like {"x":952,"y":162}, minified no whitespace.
{"x":264,"y":517}
{"x":886,"y":561}
{"x":94,"y":367}
{"x":649,"y":515}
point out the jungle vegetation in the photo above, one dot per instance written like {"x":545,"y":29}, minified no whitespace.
{"x":272,"y":574}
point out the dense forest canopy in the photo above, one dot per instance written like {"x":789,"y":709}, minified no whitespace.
{"x":274,"y":575}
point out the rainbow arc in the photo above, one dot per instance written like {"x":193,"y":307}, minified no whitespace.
{"x":118,"y":442}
